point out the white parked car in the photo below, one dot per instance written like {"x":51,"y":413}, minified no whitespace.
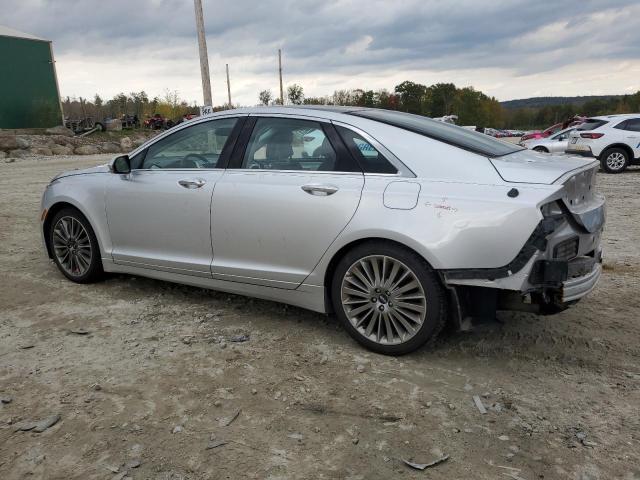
{"x":556,"y":143}
{"x":612,"y":139}
{"x":397,"y":223}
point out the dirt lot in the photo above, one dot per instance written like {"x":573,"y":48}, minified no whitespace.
{"x":152,"y":377}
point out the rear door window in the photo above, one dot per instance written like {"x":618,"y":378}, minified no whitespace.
{"x":293,"y":144}
{"x":632,"y":125}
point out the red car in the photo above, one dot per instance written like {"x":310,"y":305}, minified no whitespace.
{"x":571,"y":122}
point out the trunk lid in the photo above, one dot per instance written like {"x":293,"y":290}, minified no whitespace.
{"x":527,"y":166}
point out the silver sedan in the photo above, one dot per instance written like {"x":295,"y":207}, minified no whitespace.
{"x":396,"y":223}
{"x":556,"y":143}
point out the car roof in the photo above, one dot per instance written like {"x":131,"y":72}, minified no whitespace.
{"x":619,"y":116}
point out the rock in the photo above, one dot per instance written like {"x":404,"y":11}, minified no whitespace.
{"x":42,"y":425}
{"x":20,"y":154}
{"x":59,"y":130}
{"x":360,"y":368}
{"x":177,"y":429}
{"x":138,"y":141}
{"x":110,"y":147}
{"x":6,"y":400}
{"x":46,"y":151}
{"x":503,"y":438}
{"x":61,"y":150}
{"x":86,"y":150}
{"x":23,"y":142}
{"x":253,"y":391}
{"x":126,"y":144}
{"x":8,"y":142}
{"x":135,"y":463}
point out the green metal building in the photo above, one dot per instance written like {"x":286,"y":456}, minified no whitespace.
{"x":29,"y":95}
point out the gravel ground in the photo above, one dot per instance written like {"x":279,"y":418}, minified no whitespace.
{"x":147,"y":379}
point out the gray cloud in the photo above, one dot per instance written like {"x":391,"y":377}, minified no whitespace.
{"x":330,"y":39}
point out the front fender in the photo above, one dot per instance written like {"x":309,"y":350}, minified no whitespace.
{"x":87,"y":194}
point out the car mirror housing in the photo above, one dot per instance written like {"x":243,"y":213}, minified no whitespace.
{"x":122,"y":164}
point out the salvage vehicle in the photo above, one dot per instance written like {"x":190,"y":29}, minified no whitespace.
{"x":612,"y":139}
{"x":553,"y":129}
{"x":397,"y":223}
{"x":556,"y":143}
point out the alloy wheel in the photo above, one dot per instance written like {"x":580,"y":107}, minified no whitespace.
{"x":72,"y":246}
{"x":383,"y":299}
{"x":616,"y":161}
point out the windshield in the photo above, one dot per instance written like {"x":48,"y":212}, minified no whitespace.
{"x":445,"y":132}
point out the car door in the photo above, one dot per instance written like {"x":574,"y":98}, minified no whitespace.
{"x":159,"y":214}
{"x":559,"y":142}
{"x":291,"y":188}
{"x":632,"y":134}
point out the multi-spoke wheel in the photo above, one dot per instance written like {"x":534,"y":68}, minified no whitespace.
{"x":74,"y":246}
{"x":614,"y":160}
{"x":388,"y":298}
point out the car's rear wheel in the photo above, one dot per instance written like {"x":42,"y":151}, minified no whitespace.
{"x":388,"y":298}
{"x":75,"y":247}
{"x":614,"y":160}
{"x":540,"y":149}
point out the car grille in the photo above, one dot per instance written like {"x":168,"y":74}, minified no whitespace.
{"x":567,"y":249}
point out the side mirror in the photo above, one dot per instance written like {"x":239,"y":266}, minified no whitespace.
{"x":122,"y":164}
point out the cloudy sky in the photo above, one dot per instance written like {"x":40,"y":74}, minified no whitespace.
{"x":508,"y":49}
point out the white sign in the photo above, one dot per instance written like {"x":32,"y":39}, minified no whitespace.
{"x":206,"y":111}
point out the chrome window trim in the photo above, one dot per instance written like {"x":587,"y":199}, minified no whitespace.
{"x":403,"y":170}
{"x":300,"y":172}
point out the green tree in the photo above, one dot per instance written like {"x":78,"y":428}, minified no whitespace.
{"x":295,"y":94}
{"x":411,"y":96}
{"x":265,"y":97}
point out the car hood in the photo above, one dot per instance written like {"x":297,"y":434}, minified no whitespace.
{"x":84,"y":171}
{"x":527,"y":166}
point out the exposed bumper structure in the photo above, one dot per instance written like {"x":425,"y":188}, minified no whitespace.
{"x":576,"y":288}
{"x":558,"y":265}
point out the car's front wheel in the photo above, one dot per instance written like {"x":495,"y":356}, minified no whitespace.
{"x":74,"y":246}
{"x":388,"y":298}
{"x":614,"y":160}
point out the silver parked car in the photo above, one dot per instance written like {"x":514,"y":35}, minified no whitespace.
{"x":397,"y":223}
{"x":556,"y":143}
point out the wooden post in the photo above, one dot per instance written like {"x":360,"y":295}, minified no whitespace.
{"x":204,"y":57}
{"x":280,"y":71}
{"x":229,"y":87}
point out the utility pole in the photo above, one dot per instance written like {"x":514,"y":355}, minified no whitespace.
{"x":204,"y":57}
{"x":280,"y":70}
{"x":228,"y":86}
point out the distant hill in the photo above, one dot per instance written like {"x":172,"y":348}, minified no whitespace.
{"x":537,"y":102}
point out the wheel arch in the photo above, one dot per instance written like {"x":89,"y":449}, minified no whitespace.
{"x":622,"y":146}
{"x":51,"y":213}
{"x":540,"y":148}
{"x":344,"y":249}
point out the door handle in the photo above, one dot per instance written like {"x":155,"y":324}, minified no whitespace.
{"x":320,"y":190}
{"x":191,"y":182}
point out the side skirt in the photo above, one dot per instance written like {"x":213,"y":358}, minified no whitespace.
{"x":310,"y":297}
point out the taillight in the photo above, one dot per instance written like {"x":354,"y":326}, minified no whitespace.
{"x":591,"y":135}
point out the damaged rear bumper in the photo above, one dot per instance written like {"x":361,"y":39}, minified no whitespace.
{"x":559,"y":264}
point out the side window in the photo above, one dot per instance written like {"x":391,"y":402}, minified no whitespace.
{"x":632,"y":125}
{"x":292,"y":144}
{"x":198,"y":146}
{"x":371,"y":160}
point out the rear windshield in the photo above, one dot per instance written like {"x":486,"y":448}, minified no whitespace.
{"x":591,"y":124}
{"x":445,"y":132}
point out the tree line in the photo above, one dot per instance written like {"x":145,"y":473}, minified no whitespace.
{"x":471,"y":106}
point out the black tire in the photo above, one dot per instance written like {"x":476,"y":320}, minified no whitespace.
{"x":540,"y":149}
{"x":614,"y":160}
{"x":434,"y":295}
{"x":94,"y":270}
{"x":99,"y":127}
